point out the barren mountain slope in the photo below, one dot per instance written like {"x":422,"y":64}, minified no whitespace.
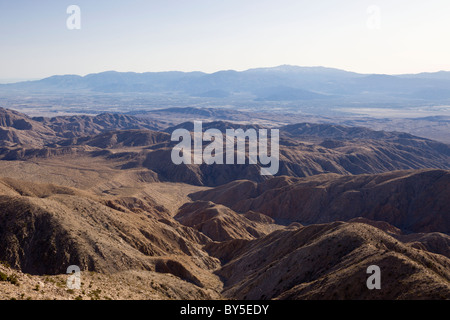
{"x":17,"y":129}
{"x":305,"y":149}
{"x":120,"y":138}
{"x":127,"y":285}
{"x":46,"y":228}
{"x":102,"y":192}
{"x":329,"y":261}
{"x":101,"y":177}
{"x":221,"y":223}
{"x":410,"y":200}
{"x":82,"y":125}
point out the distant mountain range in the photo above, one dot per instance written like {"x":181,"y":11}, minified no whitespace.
{"x":283,"y":83}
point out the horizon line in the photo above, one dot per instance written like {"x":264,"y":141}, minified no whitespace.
{"x":7,"y":80}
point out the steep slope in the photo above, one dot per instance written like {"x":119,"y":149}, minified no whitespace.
{"x":76,"y":126}
{"x":305,"y":149}
{"x":22,"y":137}
{"x":46,"y":228}
{"x":160,"y":162}
{"x":19,"y":129}
{"x":127,"y":285}
{"x":329,"y":261}
{"x":221,"y":223}
{"x":136,"y":245}
{"x":351,"y":151}
{"x":120,"y":139}
{"x":355,"y":150}
{"x":16,"y":125}
{"x":410,"y":200}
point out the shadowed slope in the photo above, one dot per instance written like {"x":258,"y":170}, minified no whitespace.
{"x":411,"y":200}
{"x":329,"y":261}
{"x":45,"y":228}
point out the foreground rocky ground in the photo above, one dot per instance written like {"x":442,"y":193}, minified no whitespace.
{"x":128,"y":285}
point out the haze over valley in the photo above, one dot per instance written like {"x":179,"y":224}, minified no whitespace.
{"x":413,"y":103}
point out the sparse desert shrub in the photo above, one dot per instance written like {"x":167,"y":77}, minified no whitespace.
{"x":95,"y":295}
{"x":3,"y":277}
{"x":12,"y":278}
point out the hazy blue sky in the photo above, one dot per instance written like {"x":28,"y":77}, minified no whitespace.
{"x":211,"y":35}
